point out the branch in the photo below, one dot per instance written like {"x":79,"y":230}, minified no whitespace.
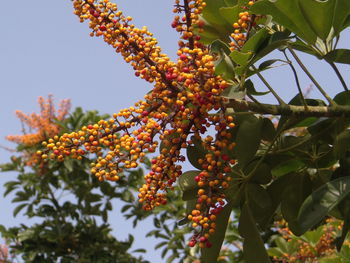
{"x":288,"y":110}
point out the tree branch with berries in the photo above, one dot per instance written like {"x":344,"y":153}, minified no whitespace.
{"x":247,"y":155}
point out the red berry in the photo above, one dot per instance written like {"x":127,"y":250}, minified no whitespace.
{"x":183,"y":57}
{"x":202,"y":239}
{"x":225,"y":157}
{"x":192,"y":243}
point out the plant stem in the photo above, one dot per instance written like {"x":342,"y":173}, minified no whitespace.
{"x":288,"y":110}
{"x":278,"y":98}
{"x":318,"y":86}
{"x":340,"y":77}
{"x":296,"y":79}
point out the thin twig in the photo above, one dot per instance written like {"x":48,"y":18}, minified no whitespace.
{"x":340,"y":77}
{"x":318,"y":86}
{"x":296,"y":79}
{"x":278,"y":98}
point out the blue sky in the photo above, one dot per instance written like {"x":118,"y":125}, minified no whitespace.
{"x":45,"y":50}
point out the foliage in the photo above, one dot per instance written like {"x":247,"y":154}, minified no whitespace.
{"x":205,"y":107}
{"x":70,"y":206}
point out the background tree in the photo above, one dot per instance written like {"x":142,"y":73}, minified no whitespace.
{"x":72,"y":207}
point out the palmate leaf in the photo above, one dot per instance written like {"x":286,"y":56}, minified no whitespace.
{"x":311,"y":20}
{"x":317,"y":205}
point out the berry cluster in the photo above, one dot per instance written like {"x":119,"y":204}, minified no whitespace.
{"x":242,"y":27}
{"x":306,"y":251}
{"x":178,"y":112}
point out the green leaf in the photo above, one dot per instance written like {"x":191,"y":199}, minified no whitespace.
{"x":287,"y":167}
{"x":188,"y":185}
{"x":190,"y":205}
{"x":262,"y":174}
{"x":342,"y":98}
{"x":268,"y":130}
{"x":259,"y":202}
{"x":241,"y":58}
{"x":322,"y":201}
{"x":233,"y":92}
{"x":196,"y":152}
{"x":248,"y":139}
{"x":298,"y":190}
{"x":338,"y":56}
{"x":249,"y":86}
{"x":211,"y":12}
{"x":230,"y":14}
{"x":26,"y":234}
{"x":68,"y":163}
{"x":223,"y":65}
{"x":342,"y":143}
{"x":313,"y":21}
{"x":281,"y":12}
{"x":210,"y":255}
{"x":255,"y":42}
{"x":253,"y":246}
{"x":18,"y":209}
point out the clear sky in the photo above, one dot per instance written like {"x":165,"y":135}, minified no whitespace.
{"x":45,"y":50}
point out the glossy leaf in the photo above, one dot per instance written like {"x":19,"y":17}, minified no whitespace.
{"x":322,"y":201}
{"x":248,"y":139}
{"x":311,"y":20}
{"x":342,"y":143}
{"x":249,"y":86}
{"x":262,"y":174}
{"x":339,"y":56}
{"x":260,"y":203}
{"x":253,"y":246}
{"x":223,"y":65}
{"x":196,"y":152}
{"x":287,"y":167}
{"x":210,"y":255}
{"x":268,"y":130}
{"x":188,"y":185}
{"x":297,"y":191}
{"x":342,"y":98}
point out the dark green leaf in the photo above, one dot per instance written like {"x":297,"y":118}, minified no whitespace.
{"x":253,"y":246}
{"x":249,"y":86}
{"x":268,"y":130}
{"x":295,"y":194}
{"x":322,"y":201}
{"x":339,"y":56}
{"x":210,"y":255}
{"x":259,"y":202}
{"x":342,"y":143}
{"x":188,"y":185}
{"x":287,"y":167}
{"x":342,"y":98}
{"x":19,"y":208}
{"x":248,"y":140}
{"x":262,"y":174}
